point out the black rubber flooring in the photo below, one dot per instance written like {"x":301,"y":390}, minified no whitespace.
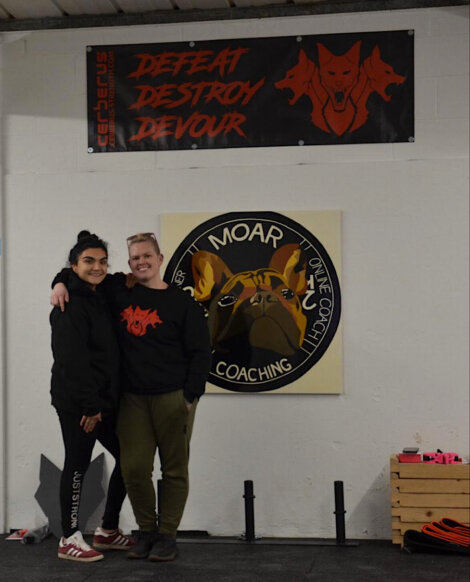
{"x":371,"y":561}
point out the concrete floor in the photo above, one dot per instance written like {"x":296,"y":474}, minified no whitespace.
{"x":371,"y":561}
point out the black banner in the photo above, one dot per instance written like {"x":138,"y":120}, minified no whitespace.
{"x":322,"y":89}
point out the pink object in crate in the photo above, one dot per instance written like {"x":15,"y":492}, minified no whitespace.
{"x":409,"y":458}
{"x":441,"y":458}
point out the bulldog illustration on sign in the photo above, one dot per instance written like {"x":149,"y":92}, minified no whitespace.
{"x":261,"y":305}
{"x":271,"y":294}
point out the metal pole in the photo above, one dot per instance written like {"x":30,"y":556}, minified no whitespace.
{"x":339,"y":512}
{"x":249,"y":512}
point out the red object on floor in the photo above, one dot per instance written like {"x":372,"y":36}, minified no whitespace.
{"x":407,"y":458}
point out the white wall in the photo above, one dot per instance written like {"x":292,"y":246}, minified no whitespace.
{"x":2,"y":326}
{"x":405,"y":267}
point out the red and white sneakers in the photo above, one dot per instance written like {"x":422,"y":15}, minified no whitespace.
{"x":111,"y":541}
{"x":75,"y":548}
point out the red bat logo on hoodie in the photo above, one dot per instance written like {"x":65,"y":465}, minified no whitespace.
{"x":139,"y":319}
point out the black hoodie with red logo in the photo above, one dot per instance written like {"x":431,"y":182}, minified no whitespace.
{"x":163,"y":336}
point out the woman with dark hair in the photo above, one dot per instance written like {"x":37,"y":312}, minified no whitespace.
{"x":85,"y":393}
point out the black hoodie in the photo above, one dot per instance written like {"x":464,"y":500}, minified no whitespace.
{"x":85,"y":373}
{"x":163,"y":334}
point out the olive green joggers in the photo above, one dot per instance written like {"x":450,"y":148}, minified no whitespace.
{"x":145,"y":424}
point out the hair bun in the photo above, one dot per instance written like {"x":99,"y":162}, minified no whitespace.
{"x":83,"y":234}
{"x":85,"y":240}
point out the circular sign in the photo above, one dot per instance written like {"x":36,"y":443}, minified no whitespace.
{"x":271,"y":294}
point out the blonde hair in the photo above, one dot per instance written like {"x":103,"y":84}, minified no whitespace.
{"x":144,"y":237}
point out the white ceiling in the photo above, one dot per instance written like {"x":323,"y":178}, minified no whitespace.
{"x":43,"y":14}
{"x":20,"y":9}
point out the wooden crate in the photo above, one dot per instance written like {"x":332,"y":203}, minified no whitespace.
{"x":423,"y":492}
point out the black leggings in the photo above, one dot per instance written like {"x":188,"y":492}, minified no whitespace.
{"x":78,"y":448}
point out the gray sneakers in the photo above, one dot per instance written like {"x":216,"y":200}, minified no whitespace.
{"x":164,"y":549}
{"x":144,"y":540}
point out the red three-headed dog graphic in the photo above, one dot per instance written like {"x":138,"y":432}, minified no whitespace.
{"x":339,"y":86}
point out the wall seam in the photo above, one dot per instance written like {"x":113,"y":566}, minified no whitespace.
{"x":3,"y":395}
